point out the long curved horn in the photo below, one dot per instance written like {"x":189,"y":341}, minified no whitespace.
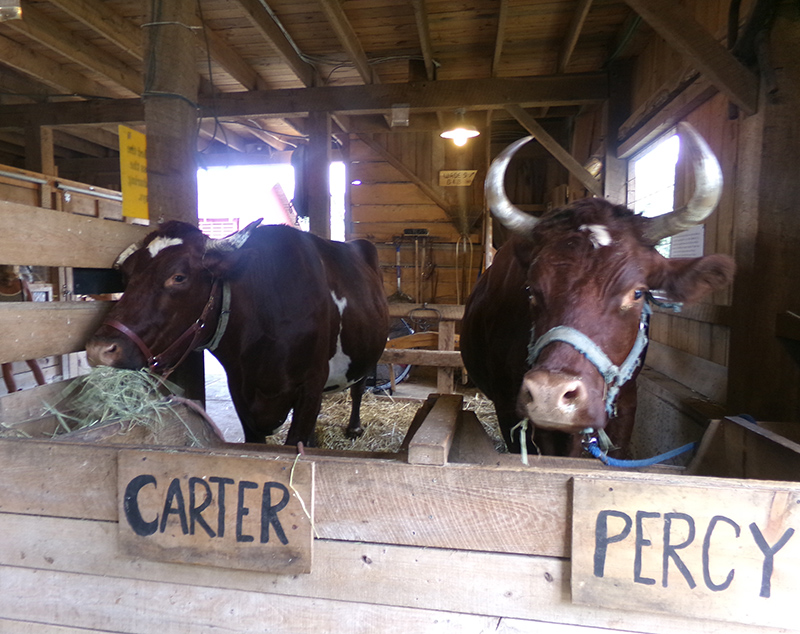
{"x":707,"y":192}
{"x":233,"y":241}
{"x":512,"y":218}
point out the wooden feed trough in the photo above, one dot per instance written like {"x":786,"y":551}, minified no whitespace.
{"x":445,"y":535}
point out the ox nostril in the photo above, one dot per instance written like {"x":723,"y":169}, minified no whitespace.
{"x":573,"y":394}
{"x":102,"y":354}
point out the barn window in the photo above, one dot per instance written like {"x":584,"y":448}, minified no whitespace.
{"x":651,"y":181}
{"x":651,"y":191}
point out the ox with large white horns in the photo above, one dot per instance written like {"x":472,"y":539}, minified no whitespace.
{"x":555,"y":331}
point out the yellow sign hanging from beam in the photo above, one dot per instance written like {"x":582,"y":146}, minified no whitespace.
{"x":133,"y":172}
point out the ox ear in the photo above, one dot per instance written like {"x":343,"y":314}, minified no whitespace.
{"x":689,"y":279}
{"x":225,"y":264}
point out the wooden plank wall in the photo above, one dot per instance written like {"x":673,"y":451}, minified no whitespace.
{"x":59,"y":224}
{"x":401,"y":548}
{"x":386,"y":202}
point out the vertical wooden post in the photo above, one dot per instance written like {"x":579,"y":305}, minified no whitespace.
{"x":615,"y":170}
{"x":171,"y":82}
{"x":764,"y":368}
{"x":447,"y":341}
{"x":317,"y":174}
{"x":39,"y":155}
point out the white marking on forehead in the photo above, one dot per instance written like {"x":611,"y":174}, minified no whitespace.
{"x":598,"y":234}
{"x":159,"y":244}
{"x":339,"y":363}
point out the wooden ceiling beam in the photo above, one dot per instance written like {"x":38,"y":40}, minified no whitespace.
{"x":128,"y":37}
{"x":500,"y":37}
{"x":78,"y":144}
{"x":349,"y":40}
{"x":104,"y":21}
{"x":50,"y":73}
{"x":702,"y":51}
{"x":424,"y":32}
{"x":261,"y":17}
{"x":97,"y":135}
{"x":472,"y":94}
{"x":573,"y":33}
{"x":233,"y":63}
{"x":554,"y":147}
{"x":211,"y":130}
{"x":49,"y":33}
{"x":254,"y":128}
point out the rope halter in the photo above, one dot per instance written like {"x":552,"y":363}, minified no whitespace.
{"x":614,"y":376}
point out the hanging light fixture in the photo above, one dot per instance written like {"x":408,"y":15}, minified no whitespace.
{"x":461,"y":131}
{"x":10,"y":10}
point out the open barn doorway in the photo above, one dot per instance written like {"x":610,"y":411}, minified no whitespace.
{"x":230,"y":197}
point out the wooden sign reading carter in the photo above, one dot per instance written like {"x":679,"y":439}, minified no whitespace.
{"x":233,"y":512}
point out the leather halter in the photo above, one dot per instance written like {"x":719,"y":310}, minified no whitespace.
{"x":155,"y":362}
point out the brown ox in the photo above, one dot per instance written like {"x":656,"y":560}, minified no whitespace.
{"x":289,"y":316}
{"x":565,"y":305}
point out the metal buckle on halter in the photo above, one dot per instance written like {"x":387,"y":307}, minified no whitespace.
{"x":588,"y":438}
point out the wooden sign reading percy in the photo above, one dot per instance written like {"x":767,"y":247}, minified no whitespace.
{"x":724,"y":549}
{"x":232,"y":512}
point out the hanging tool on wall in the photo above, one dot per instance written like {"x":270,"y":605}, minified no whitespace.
{"x":417,"y":234}
{"x":399,"y":295}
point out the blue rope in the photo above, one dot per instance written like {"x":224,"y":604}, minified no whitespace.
{"x":593,"y":449}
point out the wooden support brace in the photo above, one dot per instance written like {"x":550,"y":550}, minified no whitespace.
{"x":471,"y":443}
{"x":431,"y":444}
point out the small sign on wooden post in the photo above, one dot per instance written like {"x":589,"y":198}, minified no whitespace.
{"x":716,"y":550}
{"x":232,"y":512}
{"x":456,"y":178}
{"x":133,"y":172}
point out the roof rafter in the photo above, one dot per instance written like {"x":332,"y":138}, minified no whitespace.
{"x":705,"y":53}
{"x":103,"y":20}
{"x":349,"y":40}
{"x":574,"y":31}
{"x":424,"y":32}
{"x":211,"y":130}
{"x":554,"y":147}
{"x":48,"y":72}
{"x":260,"y":16}
{"x":49,"y":33}
{"x":502,"y":18}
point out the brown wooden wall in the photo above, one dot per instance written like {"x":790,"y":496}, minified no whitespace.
{"x":399,"y":189}
{"x":54,"y":224}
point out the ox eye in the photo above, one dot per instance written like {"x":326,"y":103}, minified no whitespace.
{"x":177,"y":280}
{"x":633,"y":297}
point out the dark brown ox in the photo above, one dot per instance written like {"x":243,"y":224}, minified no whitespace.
{"x":289,"y":316}
{"x":565,"y":304}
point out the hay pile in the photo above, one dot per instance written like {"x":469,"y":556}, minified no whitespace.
{"x":385,"y":422}
{"x":134,"y":398}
